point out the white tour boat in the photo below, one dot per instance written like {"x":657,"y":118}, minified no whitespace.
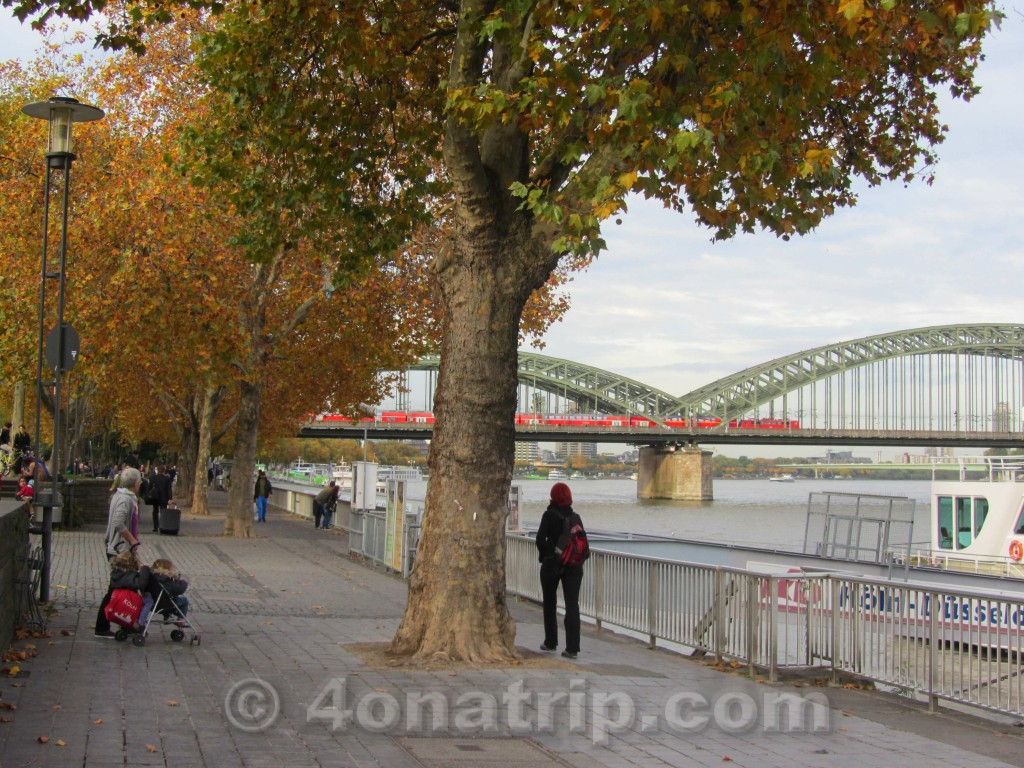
{"x":782,"y":479}
{"x":977,"y":516}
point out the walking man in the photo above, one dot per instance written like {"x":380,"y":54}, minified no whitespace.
{"x":261,"y":494}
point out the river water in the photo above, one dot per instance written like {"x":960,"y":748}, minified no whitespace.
{"x":755,"y":512}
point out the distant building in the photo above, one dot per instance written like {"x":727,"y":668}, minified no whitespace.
{"x":838,"y":457}
{"x":527,"y":452}
{"x":568,"y":450}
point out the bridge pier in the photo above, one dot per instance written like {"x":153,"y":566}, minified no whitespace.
{"x":670,"y":472}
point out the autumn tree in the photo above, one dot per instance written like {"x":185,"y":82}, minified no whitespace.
{"x":143,"y":250}
{"x":747,"y":114}
{"x":165,"y":291}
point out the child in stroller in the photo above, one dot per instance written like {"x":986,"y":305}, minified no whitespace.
{"x":167,"y":592}
{"x":167,"y":587}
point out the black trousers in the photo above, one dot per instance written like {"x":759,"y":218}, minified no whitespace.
{"x":102,"y":624}
{"x":318,"y":513}
{"x":552,"y":573}
{"x":156,"y":516}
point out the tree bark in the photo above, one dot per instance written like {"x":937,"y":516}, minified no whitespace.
{"x":203,"y":454}
{"x":239,"y":521}
{"x":18,"y":407}
{"x":186,"y":464}
{"x":456,"y":607}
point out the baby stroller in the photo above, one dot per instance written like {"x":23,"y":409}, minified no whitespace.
{"x":171,"y":614}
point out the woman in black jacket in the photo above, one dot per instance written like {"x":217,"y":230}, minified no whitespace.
{"x":552,"y":572}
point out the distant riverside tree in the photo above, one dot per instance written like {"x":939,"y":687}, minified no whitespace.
{"x":754,"y":114}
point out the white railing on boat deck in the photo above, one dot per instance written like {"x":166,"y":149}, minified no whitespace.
{"x":919,"y":640}
{"x":989,"y":566}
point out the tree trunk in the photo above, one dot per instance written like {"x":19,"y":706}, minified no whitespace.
{"x":186,"y":463}
{"x":239,"y":521}
{"x":18,"y":407}
{"x":203,"y":455}
{"x":456,"y":607}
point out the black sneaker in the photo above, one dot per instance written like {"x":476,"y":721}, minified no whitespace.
{"x":570,"y":654}
{"x":105,"y":634}
{"x":546,"y":647}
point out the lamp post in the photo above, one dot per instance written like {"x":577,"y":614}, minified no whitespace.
{"x":61,"y":112}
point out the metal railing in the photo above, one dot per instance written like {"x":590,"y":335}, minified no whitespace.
{"x":367,"y":536}
{"x":917,"y":639}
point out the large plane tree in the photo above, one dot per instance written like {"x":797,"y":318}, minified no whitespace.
{"x":746,"y":114}
{"x":742,"y":114}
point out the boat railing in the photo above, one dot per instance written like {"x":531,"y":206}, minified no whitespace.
{"x":925,"y":557}
{"x":927,"y":641}
{"x":982,"y":468}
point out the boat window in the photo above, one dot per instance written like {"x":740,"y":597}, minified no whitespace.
{"x":1019,"y":527}
{"x":964,"y":522}
{"x":980,"y":513}
{"x":946,"y":522}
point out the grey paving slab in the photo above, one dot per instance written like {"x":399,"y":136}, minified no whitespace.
{"x":274,"y":683}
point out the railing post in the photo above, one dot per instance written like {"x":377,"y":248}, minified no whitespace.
{"x":751,"y":590}
{"x":719,"y":615}
{"x":834,"y":592}
{"x":653,"y":583}
{"x":773,"y":629}
{"x":806,"y":598}
{"x":599,"y":561}
{"x":933,"y":623}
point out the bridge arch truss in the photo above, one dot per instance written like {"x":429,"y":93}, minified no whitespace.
{"x":941,"y":378}
{"x":946,"y":378}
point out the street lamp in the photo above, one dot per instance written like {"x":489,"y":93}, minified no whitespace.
{"x":61,"y":112}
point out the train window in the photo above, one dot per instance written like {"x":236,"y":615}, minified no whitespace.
{"x":945,"y":522}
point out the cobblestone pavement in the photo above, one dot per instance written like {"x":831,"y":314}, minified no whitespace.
{"x":276,"y":681}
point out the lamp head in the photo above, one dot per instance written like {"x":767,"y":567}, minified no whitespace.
{"x":60,"y":112}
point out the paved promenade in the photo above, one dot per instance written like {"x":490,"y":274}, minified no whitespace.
{"x":288,"y":673}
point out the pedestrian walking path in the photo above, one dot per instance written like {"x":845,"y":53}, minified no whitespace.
{"x":287,"y":672}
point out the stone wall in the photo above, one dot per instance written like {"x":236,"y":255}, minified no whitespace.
{"x":90,"y":498}
{"x":13,"y":549}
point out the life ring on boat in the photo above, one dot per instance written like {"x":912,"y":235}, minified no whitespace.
{"x":1016,"y":549}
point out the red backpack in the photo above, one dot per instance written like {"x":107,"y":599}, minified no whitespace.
{"x":573,"y":547}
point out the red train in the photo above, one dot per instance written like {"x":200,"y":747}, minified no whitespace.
{"x":572,"y":420}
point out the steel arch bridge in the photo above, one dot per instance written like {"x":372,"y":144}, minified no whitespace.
{"x":951,"y":377}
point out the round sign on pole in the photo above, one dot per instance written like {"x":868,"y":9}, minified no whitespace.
{"x":53,"y":347}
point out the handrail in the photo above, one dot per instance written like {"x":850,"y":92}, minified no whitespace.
{"x":939,"y":643}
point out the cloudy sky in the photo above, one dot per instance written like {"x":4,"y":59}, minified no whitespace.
{"x":669,"y":308}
